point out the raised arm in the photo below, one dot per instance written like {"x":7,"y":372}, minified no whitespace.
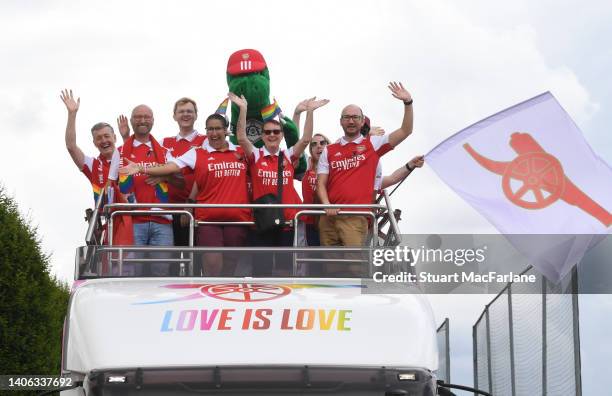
{"x":402,"y":172}
{"x":311,"y":106}
{"x":124,"y":127}
{"x":299,"y":109}
{"x":241,"y":136}
{"x":399,"y":92}
{"x":73,"y":107}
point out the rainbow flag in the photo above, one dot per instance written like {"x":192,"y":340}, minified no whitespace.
{"x":271,"y":111}
{"x":126,"y":183}
{"x":222,"y":109}
{"x":96,"y":190}
{"x":161,"y":192}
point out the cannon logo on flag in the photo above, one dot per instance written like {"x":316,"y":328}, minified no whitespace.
{"x":541,"y":173}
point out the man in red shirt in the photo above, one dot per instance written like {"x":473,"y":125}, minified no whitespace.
{"x":143,"y":149}
{"x":220,"y":178}
{"x":347,"y":170}
{"x":185,"y":114}
{"x":95,"y":169}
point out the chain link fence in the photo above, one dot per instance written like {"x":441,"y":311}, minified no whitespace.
{"x":443,"y":337}
{"x":526,"y":341}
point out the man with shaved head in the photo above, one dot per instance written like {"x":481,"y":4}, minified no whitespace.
{"x":346,"y":173}
{"x":143,"y":149}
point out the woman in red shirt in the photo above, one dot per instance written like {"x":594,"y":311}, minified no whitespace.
{"x":263,"y":169}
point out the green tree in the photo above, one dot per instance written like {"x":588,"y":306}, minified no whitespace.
{"x":32,"y":302}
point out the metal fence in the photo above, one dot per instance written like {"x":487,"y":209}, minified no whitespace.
{"x":443,"y":337}
{"x":526,"y":341}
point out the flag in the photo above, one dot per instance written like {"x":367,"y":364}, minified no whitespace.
{"x":161,"y":192}
{"x":126,"y":182}
{"x":270,"y":111}
{"x":222,"y":109}
{"x":529,"y":170}
{"x":96,"y":191}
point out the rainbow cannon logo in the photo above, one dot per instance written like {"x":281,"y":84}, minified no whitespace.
{"x":240,"y":291}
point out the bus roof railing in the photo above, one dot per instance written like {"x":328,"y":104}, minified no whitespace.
{"x":102,"y":259}
{"x":96,"y":234}
{"x":110,"y":207}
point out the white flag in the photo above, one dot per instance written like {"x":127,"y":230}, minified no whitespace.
{"x":529,"y":170}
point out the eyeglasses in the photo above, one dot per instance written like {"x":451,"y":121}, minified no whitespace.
{"x":214,"y":129}
{"x":351,"y":117}
{"x":272,"y":131}
{"x":321,"y":143}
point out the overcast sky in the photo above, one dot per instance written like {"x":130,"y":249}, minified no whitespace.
{"x":462,"y":61}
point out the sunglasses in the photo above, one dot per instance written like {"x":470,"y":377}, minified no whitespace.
{"x":272,"y":131}
{"x":321,"y":143}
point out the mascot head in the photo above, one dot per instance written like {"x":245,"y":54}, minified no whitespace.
{"x":247,"y":74}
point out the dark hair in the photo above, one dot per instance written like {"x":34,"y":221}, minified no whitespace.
{"x":217,"y":116}
{"x":365,"y":129}
{"x":101,"y":125}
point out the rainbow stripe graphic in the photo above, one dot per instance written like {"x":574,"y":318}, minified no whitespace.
{"x":161,"y":192}
{"x":271,"y":111}
{"x":199,"y":294}
{"x":222,"y":109}
{"x":126,"y":183}
{"x":316,"y":286}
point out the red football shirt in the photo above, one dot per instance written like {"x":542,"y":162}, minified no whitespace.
{"x":221,"y":177}
{"x":143,"y":154}
{"x":351,"y":167}
{"x":309,"y":186}
{"x":177,"y":146}
{"x":263,"y":168}
{"x":96,"y":170}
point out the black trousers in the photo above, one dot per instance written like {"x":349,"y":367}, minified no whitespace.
{"x":264,"y":263}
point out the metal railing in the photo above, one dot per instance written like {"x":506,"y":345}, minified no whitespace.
{"x":150,"y":213}
{"x":93,"y":220}
{"x":106,"y":258}
{"x":118,"y":255}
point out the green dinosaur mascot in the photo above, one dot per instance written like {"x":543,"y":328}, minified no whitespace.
{"x":247,"y":74}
